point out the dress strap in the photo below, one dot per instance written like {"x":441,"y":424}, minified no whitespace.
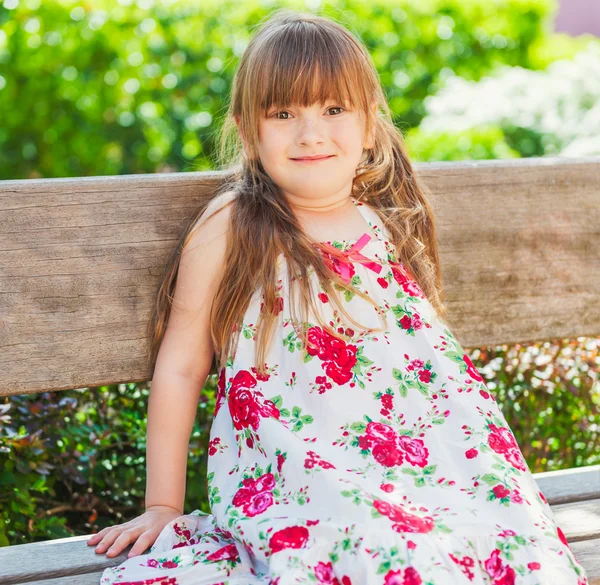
{"x":373,"y":219}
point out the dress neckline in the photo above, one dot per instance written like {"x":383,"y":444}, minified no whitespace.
{"x":370,"y":216}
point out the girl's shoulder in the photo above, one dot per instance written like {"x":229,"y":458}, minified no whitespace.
{"x":214,"y":220}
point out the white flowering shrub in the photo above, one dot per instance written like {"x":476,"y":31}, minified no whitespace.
{"x":553,"y":112}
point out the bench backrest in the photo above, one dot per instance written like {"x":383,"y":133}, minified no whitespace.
{"x":80,"y":260}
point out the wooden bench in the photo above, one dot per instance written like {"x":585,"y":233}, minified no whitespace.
{"x":519,"y":251}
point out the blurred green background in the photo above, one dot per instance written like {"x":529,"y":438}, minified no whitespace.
{"x":93,"y":88}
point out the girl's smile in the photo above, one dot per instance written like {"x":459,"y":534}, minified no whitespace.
{"x":312,"y":160}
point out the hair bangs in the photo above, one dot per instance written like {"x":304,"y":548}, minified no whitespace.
{"x":306,"y":71}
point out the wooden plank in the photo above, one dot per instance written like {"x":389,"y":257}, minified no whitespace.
{"x":570,"y":485}
{"x":87,"y":579}
{"x":54,"y":559}
{"x":579,"y":520}
{"x":81,"y":258}
{"x":69,"y":561}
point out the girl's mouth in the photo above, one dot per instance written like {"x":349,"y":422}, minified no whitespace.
{"x":312,"y":160}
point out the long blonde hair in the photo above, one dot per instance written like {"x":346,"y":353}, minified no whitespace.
{"x":299,"y":58}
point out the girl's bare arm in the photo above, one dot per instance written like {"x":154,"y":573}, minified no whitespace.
{"x":182,"y":366}
{"x":183,"y":361}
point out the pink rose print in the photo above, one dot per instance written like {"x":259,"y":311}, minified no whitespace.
{"x":501,"y":573}
{"x":471,"y":369}
{"x":381,"y":432}
{"x":465,"y":564}
{"x":534,"y":566}
{"x":415,"y":451}
{"x":255,"y":496}
{"x":401,"y":276}
{"x":387,"y":454}
{"x":415,"y":364}
{"x":381,"y":438}
{"x":228,"y":552}
{"x":500,"y":491}
{"x":220,"y":398}
{"x":387,"y":401}
{"x":244,"y":406}
{"x":262,"y":377}
{"x":411,"y":577}
{"x":389,"y":450}
{"x":280,"y":461}
{"x":502,"y":442}
{"x":413,"y":321}
{"x":324,"y":574}
{"x":290,"y":537}
{"x":212,"y":446}
{"x":258,"y":504}
{"x":338,"y":357}
{"x":185,"y":536}
{"x":157,"y":580}
{"x":471,"y":453}
{"x":393,"y":578}
{"x":405,"y":521}
{"x":314,"y":459}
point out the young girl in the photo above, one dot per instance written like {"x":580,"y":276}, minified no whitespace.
{"x":353,"y":441}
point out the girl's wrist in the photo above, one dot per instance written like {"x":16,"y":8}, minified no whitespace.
{"x":163,"y":507}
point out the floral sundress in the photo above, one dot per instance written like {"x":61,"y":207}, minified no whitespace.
{"x":383,"y":460}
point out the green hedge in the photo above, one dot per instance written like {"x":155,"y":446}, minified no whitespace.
{"x":105,"y":88}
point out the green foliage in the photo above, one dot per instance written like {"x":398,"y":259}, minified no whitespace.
{"x":75,"y":460}
{"x":549,"y":49}
{"x":472,"y":144}
{"x":110,"y":88}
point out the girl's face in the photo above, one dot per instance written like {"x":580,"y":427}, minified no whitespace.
{"x":321,"y":129}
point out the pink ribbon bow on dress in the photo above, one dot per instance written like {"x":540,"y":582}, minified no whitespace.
{"x":343,"y":267}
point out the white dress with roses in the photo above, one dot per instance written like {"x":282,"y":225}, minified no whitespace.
{"x":379,"y":460}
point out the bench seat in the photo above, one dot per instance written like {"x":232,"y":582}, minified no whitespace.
{"x":574,"y":495}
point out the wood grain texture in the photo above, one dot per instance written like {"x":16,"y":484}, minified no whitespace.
{"x":54,"y":559}
{"x":83,"y":579}
{"x":80,"y":260}
{"x":570,"y":485}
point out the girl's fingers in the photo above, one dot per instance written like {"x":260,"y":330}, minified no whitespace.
{"x":142,"y":543}
{"x":109,"y":538}
{"x":122,"y":541}
{"x":98,"y":536}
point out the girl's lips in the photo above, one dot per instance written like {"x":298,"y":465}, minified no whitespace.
{"x":312,"y":160}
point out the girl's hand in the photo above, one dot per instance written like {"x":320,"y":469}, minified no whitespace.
{"x":143,"y":530}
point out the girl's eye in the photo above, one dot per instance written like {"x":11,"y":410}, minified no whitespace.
{"x":275,"y":114}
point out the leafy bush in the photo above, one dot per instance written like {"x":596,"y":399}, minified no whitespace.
{"x":72,"y":460}
{"x":107,"y":87}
